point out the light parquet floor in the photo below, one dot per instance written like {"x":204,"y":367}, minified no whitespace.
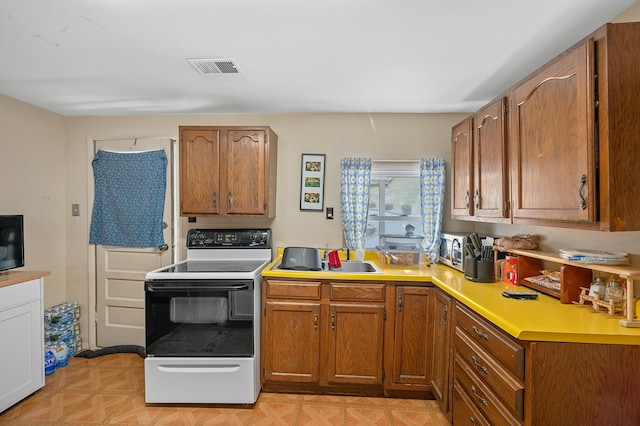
{"x":109,"y":390}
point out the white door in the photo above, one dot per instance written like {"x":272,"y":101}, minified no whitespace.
{"x":120,"y":271}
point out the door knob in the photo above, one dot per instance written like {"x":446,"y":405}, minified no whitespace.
{"x":163,"y":247}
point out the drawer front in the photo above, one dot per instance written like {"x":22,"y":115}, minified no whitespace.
{"x":465,"y":413}
{"x":20,"y":293}
{"x":355,"y":292}
{"x":483,"y":398}
{"x":492,"y":340}
{"x":506,"y":387}
{"x":308,"y":290}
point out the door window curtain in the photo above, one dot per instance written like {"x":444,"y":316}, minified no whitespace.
{"x":432,"y":187}
{"x":354,"y":199}
{"x":129,"y":198}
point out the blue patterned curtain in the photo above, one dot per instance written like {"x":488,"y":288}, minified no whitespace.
{"x":354,"y":200}
{"x":432,"y":183}
{"x":129,"y":198}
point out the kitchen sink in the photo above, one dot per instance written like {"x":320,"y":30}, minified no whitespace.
{"x":356,"y":268}
{"x":346,"y":268}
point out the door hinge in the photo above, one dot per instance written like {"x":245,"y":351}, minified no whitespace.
{"x":384,"y":315}
{"x":507,"y":205}
{"x":383,"y":374}
{"x":505,"y":108}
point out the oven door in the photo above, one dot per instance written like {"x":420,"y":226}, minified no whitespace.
{"x":199,"y":318}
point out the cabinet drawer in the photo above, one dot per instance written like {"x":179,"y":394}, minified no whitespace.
{"x":354,"y":292}
{"x":309,"y":290}
{"x":483,"y":398}
{"x":492,"y":340}
{"x":20,"y":293}
{"x":466,"y":413}
{"x":510,"y":390}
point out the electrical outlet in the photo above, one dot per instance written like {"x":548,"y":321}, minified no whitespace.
{"x":329,"y":212}
{"x":192,"y":219}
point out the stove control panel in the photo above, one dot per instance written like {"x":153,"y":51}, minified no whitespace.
{"x":229,"y":238}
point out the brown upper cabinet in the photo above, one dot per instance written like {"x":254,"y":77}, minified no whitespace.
{"x":462,"y":169}
{"x":228,"y":171}
{"x":479,"y":154}
{"x":553,"y":152}
{"x":572,"y":139}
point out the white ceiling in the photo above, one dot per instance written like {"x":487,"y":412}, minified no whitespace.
{"x":113,"y":57}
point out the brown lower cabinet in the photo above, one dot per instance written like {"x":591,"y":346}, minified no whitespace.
{"x":368,"y":338}
{"x":412,"y":340}
{"x":323,"y":335}
{"x":500,"y":380}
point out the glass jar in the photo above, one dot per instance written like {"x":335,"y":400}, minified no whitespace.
{"x":614,"y":290}
{"x":597,"y":288}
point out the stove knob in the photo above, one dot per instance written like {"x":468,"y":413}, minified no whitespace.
{"x":258,"y":237}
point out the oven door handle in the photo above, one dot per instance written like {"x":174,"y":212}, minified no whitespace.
{"x":171,"y":288}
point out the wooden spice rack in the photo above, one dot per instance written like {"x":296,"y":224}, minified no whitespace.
{"x":573,"y":276}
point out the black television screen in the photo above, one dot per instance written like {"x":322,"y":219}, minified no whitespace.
{"x":11,"y":242}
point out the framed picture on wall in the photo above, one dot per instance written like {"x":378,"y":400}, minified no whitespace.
{"x":312,"y":182}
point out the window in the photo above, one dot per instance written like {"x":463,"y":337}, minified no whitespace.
{"x":394,"y":205}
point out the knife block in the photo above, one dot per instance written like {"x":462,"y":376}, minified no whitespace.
{"x":478,"y":270}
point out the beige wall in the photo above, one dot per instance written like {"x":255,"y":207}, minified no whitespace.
{"x":32,"y":167}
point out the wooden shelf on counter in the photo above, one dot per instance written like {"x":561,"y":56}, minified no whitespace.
{"x":574,"y":275}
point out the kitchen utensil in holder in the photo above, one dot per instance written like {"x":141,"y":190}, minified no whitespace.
{"x":480,"y":271}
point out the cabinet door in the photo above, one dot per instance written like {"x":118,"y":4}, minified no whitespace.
{"x":442,"y":353}
{"x":412,"y":340}
{"x":552,"y":141}
{"x":490,"y":185}
{"x":291,"y":341}
{"x":21,"y":328}
{"x":355,"y":343}
{"x":462,"y":173}
{"x":246,"y":172}
{"x":199,"y":172}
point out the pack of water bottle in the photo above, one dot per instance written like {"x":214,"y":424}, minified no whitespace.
{"x":61,"y":335}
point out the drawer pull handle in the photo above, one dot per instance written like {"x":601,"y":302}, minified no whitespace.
{"x":583,"y":181}
{"x":480,"y":366}
{"x":480,"y":333}
{"x":315,"y":320}
{"x":333,"y":321}
{"x":481,"y":399}
{"x":473,"y":421}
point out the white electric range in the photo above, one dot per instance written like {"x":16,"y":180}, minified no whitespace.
{"x":203,"y":320}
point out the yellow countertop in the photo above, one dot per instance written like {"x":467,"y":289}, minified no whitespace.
{"x":544,"y":319}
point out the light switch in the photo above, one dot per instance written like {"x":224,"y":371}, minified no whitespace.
{"x":75,"y":209}
{"x":329,"y":212}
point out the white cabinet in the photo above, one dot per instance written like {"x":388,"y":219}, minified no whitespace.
{"x":22,"y":336}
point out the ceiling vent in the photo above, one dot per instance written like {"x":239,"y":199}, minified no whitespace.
{"x":215,"y":66}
